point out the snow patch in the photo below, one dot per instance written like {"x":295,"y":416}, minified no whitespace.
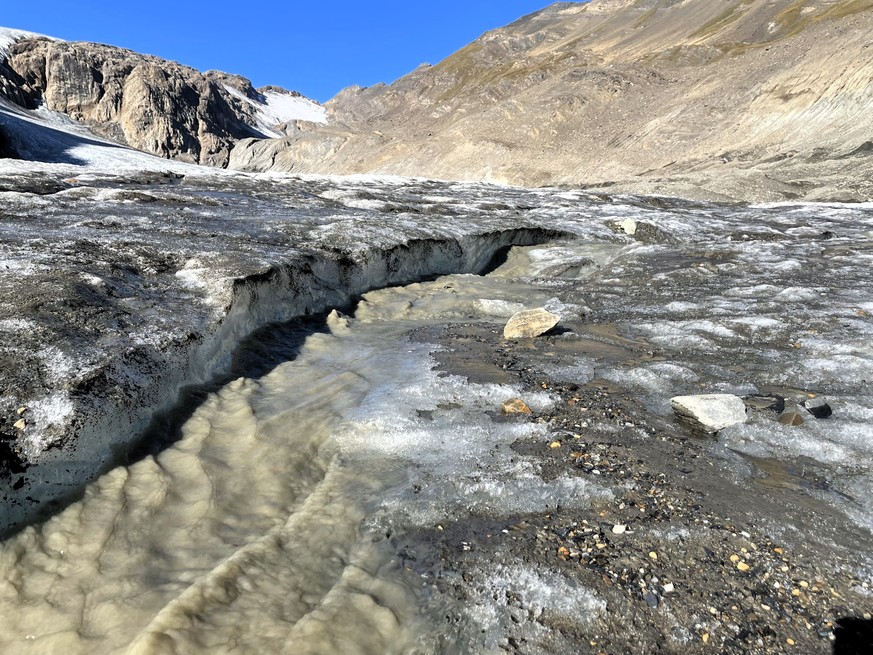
{"x":279,"y":108}
{"x":9,"y":36}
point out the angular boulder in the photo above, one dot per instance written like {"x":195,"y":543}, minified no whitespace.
{"x":710,"y":412}
{"x":530,"y":323}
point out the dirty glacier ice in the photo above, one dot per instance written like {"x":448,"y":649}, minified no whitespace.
{"x":154,"y":281}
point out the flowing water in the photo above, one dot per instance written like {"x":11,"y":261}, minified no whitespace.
{"x":261,"y":528}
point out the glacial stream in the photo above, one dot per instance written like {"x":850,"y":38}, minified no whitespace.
{"x":262,"y":528}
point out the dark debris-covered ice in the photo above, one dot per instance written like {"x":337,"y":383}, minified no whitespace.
{"x":118,"y":289}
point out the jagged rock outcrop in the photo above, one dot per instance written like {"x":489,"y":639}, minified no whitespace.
{"x":142,"y":101}
{"x":755,"y":99}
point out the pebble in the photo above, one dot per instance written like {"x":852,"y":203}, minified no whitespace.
{"x":20,"y":424}
{"x":515,"y":406}
{"x":619,"y":529}
{"x":818,"y":407}
{"x":555,"y":444}
{"x":21,"y":410}
{"x":653,"y":555}
{"x":742,"y":566}
{"x":628,"y":226}
{"x":669,"y":588}
{"x":791,"y":417}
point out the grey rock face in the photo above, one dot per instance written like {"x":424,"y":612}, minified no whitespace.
{"x":145,"y":102}
{"x":712,"y":100}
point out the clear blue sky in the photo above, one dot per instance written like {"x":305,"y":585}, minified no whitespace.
{"x":313,"y":47}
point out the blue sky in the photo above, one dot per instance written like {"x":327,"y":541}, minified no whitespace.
{"x":316,"y":48}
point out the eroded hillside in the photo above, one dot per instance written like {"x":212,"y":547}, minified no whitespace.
{"x":755,"y":99}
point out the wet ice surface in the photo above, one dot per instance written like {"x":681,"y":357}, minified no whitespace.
{"x":769,"y":299}
{"x":262,"y":526}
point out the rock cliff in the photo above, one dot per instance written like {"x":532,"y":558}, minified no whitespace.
{"x":753,"y":99}
{"x":142,"y":101}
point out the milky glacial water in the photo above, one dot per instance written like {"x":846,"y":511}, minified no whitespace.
{"x":263,"y":528}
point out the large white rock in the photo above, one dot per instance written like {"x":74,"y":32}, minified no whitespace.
{"x":629,"y":226}
{"x":712,"y":412}
{"x":530,"y":323}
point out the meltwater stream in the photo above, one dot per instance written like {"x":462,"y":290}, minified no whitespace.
{"x":257,"y":531}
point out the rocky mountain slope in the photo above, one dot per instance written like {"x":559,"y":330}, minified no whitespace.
{"x":142,"y":101}
{"x":756,"y":99}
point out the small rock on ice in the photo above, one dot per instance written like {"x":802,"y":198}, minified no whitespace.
{"x":711,"y":412}
{"x":516,"y":406}
{"x":629,"y":226}
{"x":818,"y":407}
{"x":530,"y":323}
{"x":791,"y":417}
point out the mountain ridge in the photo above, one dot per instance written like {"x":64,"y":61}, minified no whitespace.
{"x":746,"y":99}
{"x":757,"y":100}
{"x":151,"y":104}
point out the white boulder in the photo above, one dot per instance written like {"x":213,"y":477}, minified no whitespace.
{"x":629,"y":226}
{"x":530,"y":323}
{"x":711,"y":412}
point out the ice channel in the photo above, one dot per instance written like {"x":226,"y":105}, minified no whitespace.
{"x":262,"y":529}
